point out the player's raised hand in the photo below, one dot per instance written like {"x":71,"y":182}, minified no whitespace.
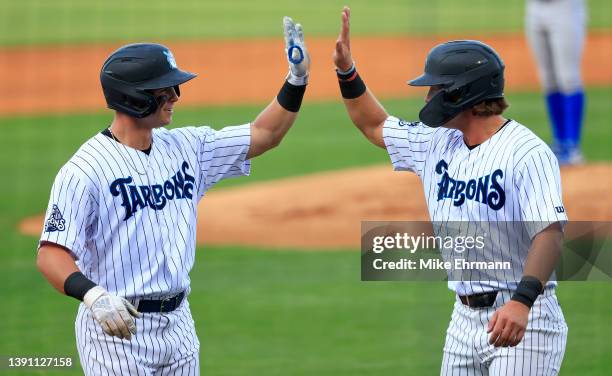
{"x":296,"y":52}
{"x":508,"y":324}
{"x":114,"y":314}
{"x":342,"y":53}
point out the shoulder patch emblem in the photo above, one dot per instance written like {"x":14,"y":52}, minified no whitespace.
{"x":56,"y":221}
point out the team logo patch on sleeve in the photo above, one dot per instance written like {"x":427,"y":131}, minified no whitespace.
{"x":56,"y":221}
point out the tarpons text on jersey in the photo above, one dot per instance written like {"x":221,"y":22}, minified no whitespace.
{"x":155,"y":196}
{"x":485,"y":189}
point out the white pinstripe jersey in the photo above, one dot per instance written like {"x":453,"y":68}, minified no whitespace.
{"x":134,"y":233}
{"x":508,"y":187}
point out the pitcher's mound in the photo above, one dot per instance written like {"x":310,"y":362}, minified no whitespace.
{"x":324,"y":211}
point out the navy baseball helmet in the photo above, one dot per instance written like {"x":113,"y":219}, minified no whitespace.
{"x":131,"y":73}
{"x":468,"y":72}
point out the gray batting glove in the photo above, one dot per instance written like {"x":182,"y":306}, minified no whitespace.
{"x":114,"y":314}
{"x":296,"y":52}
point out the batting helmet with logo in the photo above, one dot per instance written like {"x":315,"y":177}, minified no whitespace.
{"x":131,"y":73}
{"x":468,"y":73}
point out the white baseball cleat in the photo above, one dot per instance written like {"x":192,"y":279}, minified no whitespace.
{"x":568,"y":156}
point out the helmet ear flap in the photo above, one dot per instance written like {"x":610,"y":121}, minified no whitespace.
{"x":435,"y":113}
{"x":445,"y":105}
{"x":133,"y":102}
{"x":177,"y":91}
{"x":454,"y":96}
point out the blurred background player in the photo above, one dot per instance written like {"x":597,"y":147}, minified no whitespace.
{"x":556,"y":32}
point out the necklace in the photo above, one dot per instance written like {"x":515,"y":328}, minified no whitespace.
{"x":133,"y":165}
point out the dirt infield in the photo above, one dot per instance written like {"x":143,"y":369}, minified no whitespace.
{"x":65,"y":78}
{"x":319,"y":211}
{"x":324,"y":211}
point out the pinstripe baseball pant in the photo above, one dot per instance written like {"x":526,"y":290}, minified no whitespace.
{"x":164,"y":344}
{"x":467,"y":350}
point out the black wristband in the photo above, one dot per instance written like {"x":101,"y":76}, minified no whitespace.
{"x":352,"y":89}
{"x":290,"y":96}
{"x":346,"y":75}
{"x":77,"y":285}
{"x":351,"y":84}
{"x":528,"y":290}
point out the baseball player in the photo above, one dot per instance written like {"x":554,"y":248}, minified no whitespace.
{"x":477,"y":166}
{"x":556,"y":31}
{"x":120,"y":228}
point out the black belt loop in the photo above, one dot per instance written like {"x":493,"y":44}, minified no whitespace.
{"x":482,"y":300}
{"x":161,"y":306}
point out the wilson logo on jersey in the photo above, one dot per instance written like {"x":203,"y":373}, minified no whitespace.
{"x":156,"y":196}
{"x":56,"y":221}
{"x":485,"y":189}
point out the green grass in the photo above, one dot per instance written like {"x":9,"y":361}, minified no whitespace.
{"x":299,"y":313}
{"x":284,"y":312}
{"x":28,"y":22}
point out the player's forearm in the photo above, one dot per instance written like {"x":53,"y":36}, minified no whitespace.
{"x":274,"y":121}
{"x":541,"y":260}
{"x":368,"y":115}
{"x":56,"y":264}
{"x":544,"y":253}
{"x":362,"y":107}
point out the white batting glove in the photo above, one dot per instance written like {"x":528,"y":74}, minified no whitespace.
{"x":297,"y":55}
{"x":114,"y":314}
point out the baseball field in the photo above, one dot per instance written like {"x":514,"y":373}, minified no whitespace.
{"x":276,"y":285}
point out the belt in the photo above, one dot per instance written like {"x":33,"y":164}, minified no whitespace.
{"x":482,"y":300}
{"x":161,"y":306}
